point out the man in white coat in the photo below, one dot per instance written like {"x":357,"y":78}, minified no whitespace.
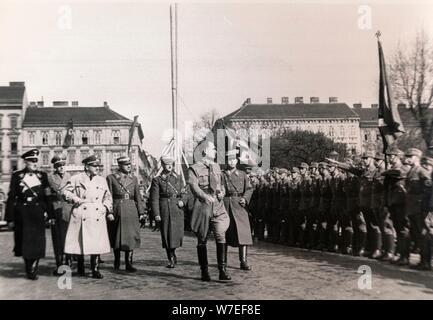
{"x":92,"y":203}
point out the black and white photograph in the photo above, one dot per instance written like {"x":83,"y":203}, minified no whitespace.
{"x":206,"y":151}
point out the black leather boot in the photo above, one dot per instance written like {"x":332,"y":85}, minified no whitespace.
{"x":222,"y":261}
{"x":116,"y":259}
{"x":128,"y":261}
{"x":425,"y":263}
{"x":362,"y":240}
{"x":68,"y":260}
{"x":59,"y":262}
{"x":170,"y":256}
{"x":243,"y":258}
{"x":80,"y":266}
{"x":404,"y":252}
{"x":94,"y":265}
{"x":32,"y":268}
{"x":202,"y":260}
{"x":347,"y":242}
{"x":388,"y":247}
{"x":376,"y":245}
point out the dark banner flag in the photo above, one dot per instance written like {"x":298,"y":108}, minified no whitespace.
{"x":131,"y":133}
{"x":69,"y":132}
{"x":390,"y":124}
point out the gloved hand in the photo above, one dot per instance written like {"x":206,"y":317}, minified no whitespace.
{"x":110,"y":217}
{"x":242,"y":202}
{"x":52,"y":222}
{"x":180,"y":204}
{"x":158,"y":218}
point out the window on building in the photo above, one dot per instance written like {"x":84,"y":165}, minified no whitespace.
{"x":45,"y":158}
{"x":14,"y":122}
{"x":365,"y":137}
{"x":45,"y":137}
{"x":133,"y":158}
{"x":14,"y":165}
{"x":116,"y":136}
{"x":84,"y":138}
{"x":342,"y":131}
{"x":114,"y":158}
{"x":71,"y":157}
{"x":331,"y":131}
{"x":84,"y":155}
{"x":98,"y":134}
{"x":59,"y":141}
{"x":32,"y":138}
{"x":14,"y":145}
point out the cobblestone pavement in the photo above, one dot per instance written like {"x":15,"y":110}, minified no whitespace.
{"x":279,"y":272}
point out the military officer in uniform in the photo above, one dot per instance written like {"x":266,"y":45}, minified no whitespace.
{"x":128,"y":211}
{"x":168,"y":199}
{"x":237,"y":196}
{"x":27,"y":208}
{"x":61,"y":209}
{"x":209,"y":213}
{"x":92,"y":204}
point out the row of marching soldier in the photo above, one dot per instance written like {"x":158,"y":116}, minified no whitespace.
{"x":363,"y":206}
{"x":89,"y":215}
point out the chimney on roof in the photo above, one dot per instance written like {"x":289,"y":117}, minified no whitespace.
{"x":32,"y":104}
{"x":60,"y":103}
{"x":106,"y":104}
{"x":299,"y":99}
{"x":74,"y":103}
{"x":314,"y":100}
{"x":247,"y":101}
{"x":284,"y":100}
{"x":269,"y":100}
{"x":17,"y":84}
{"x":333,"y":99}
{"x":374,"y":105}
{"x":40,"y":103}
{"x":357,"y":105}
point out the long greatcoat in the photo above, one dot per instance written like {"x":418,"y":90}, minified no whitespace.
{"x":237,"y":186}
{"x":124,"y":231}
{"x":87,"y":231}
{"x":26,"y":206}
{"x":165,"y":194}
{"x":61,"y":210}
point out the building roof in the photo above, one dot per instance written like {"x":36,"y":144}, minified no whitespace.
{"x":12,"y":95}
{"x":369,"y":116}
{"x":60,"y":116}
{"x":292,"y":111}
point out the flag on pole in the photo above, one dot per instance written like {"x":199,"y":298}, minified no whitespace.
{"x":131,"y":133}
{"x":69,"y":134}
{"x":389,"y":121}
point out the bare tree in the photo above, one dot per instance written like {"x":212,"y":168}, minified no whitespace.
{"x":411,"y":75}
{"x":207,"y":120}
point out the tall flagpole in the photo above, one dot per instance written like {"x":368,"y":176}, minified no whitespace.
{"x":173,"y":47}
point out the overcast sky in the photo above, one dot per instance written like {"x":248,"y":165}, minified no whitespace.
{"x":95,"y":51}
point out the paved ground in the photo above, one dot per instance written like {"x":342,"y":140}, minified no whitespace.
{"x":279,"y":272}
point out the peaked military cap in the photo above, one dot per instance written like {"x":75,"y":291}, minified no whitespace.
{"x":314,"y":165}
{"x":58,"y":160}
{"x":333,"y":155}
{"x":167,"y":159}
{"x":379,"y":156}
{"x":368,"y":154}
{"x":394,"y":151}
{"x":303,"y":165}
{"x":295,"y":169}
{"x":91,"y":161}
{"x":413,"y":152}
{"x":323,"y":165}
{"x":232,"y":153}
{"x":123,"y":160}
{"x":31,"y":155}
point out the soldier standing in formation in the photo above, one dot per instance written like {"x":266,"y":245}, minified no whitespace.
{"x":128,"y":211}
{"x":167,"y":199}
{"x":237,"y":196}
{"x":61,"y":210}
{"x":92,"y":204}
{"x":27,"y":208}
{"x":209,"y":213}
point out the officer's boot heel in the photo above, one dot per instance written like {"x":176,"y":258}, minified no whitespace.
{"x":243,"y":258}
{"x":202,"y":260}
{"x":94,"y":265}
{"x":222,"y":261}
{"x":129,"y":261}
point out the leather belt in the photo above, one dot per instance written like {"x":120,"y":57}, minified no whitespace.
{"x":28,"y":199}
{"x":124,"y":197}
{"x":170,"y":197}
{"x":234,"y":194}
